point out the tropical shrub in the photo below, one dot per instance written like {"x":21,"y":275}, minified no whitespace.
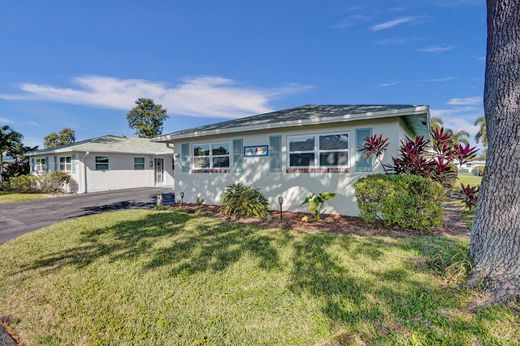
{"x":315,"y":203}
{"x":403,"y":200}
{"x":431,"y":159}
{"x":53,"y":182}
{"x":240,"y":200}
{"x":470,"y":195}
{"x":21,"y":183}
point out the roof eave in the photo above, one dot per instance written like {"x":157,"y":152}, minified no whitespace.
{"x":327,"y":120}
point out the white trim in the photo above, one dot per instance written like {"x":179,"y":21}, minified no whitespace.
{"x":420,"y":110}
{"x":317,"y":150}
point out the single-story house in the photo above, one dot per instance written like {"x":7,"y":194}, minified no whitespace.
{"x":291,"y":153}
{"x":472,"y":168}
{"x":108,"y":163}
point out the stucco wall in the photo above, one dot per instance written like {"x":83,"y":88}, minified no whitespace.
{"x":294,"y":187}
{"x":121,"y":173}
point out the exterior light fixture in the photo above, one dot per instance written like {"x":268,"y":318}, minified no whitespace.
{"x":280,"y":201}
{"x":182,"y":197}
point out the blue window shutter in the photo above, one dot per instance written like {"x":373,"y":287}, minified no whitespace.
{"x":238,"y":160}
{"x":55,"y":163}
{"x":73,"y":164}
{"x":362,"y":163}
{"x":275,"y":153}
{"x":32,"y":165}
{"x":46,"y":163}
{"x":185,"y":152}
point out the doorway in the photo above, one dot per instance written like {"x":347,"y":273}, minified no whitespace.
{"x":159,"y":170}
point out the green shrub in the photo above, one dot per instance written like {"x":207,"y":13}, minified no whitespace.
{"x":404,"y":200}
{"x":21,"y":183}
{"x":240,"y":200}
{"x":54,"y":182}
{"x":463,"y":171}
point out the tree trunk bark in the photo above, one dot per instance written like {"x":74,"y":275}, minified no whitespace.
{"x":495,"y":236}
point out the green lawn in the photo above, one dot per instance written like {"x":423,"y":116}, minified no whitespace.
{"x":11,"y":197}
{"x":163,"y":278}
{"x":468,"y":179}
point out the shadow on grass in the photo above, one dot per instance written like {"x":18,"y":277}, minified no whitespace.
{"x":391,"y":301}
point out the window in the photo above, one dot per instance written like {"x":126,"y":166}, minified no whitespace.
{"x":66,"y":163}
{"x":327,"y":150}
{"x":139,"y":163}
{"x":41,"y":165}
{"x":211,"y":155}
{"x":101,"y":163}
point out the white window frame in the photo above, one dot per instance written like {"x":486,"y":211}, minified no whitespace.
{"x":96,"y":163}
{"x":40,"y":165}
{"x":317,"y":150}
{"x":211,"y":156}
{"x":140,"y":164}
{"x":65,"y":164}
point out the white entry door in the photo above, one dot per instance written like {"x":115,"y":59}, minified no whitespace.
{"x":159,"y":170}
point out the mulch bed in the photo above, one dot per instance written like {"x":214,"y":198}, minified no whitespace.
{"x":332,"y":223}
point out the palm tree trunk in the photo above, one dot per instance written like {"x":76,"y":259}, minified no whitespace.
{"x":495,"y":236}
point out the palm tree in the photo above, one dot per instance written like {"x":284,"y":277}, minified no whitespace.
{"x":9,"y":139}
{"x":436,"y":123}
{"x":460,"y":137}
{"x":482,"y":132}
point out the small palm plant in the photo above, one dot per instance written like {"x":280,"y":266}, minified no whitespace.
{"x":240,"y":200}
{"x":315,"y":203}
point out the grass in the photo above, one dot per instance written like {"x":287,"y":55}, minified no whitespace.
{"x":468,"y":179}
{"x":12,"y":197}
{"x":160,"y":277}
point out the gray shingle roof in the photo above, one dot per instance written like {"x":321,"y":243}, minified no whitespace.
{"x":298,"y":116}
{"x":111,"y":144}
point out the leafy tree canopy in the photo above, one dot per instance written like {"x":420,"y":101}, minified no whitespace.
{"x":63,"y":137}
{"x":147,"y":118}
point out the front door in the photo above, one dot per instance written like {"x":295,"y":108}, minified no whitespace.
{"x":159,"y":170}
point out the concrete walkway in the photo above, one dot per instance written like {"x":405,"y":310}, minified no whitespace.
{"x":19,"y":218}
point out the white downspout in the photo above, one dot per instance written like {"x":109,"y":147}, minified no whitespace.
{"x":85,"y":189}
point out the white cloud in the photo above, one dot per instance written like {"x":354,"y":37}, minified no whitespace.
{"x":419,"y":81}
{"x":394,"y":22}
{"x":436,"y":49}
{"x":459,"y":118}
{"x":351,"y":21}
{"x":5,"y":121}
{"x":464,"y":101}
{"x":209,"y":96}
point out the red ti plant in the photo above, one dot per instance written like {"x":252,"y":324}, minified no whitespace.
{"x":433,"y":159}
{"x":375,"y":146}
{"x":470,"y":195}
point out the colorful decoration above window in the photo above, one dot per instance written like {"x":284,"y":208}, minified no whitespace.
{"x":256,"y":150}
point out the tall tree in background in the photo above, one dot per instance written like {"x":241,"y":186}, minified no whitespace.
{"x":147,"y":118}
{"x":9,"y":140}
{"x":482,"y":132}
{"x":459,"y":137}
{"x":495,"y":235}
{"x":64,"y":137}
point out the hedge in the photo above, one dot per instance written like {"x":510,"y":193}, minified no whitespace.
{"x":401,"y":200}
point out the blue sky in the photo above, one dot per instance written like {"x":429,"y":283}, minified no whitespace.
{"x":82,"y":64}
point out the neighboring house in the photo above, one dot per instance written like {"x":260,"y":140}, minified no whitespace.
{"x":474,"y":167}
{"x":108,"y":163}
{"x":292,"y":152}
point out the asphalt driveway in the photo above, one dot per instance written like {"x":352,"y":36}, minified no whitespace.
{"x":20,"y":218}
